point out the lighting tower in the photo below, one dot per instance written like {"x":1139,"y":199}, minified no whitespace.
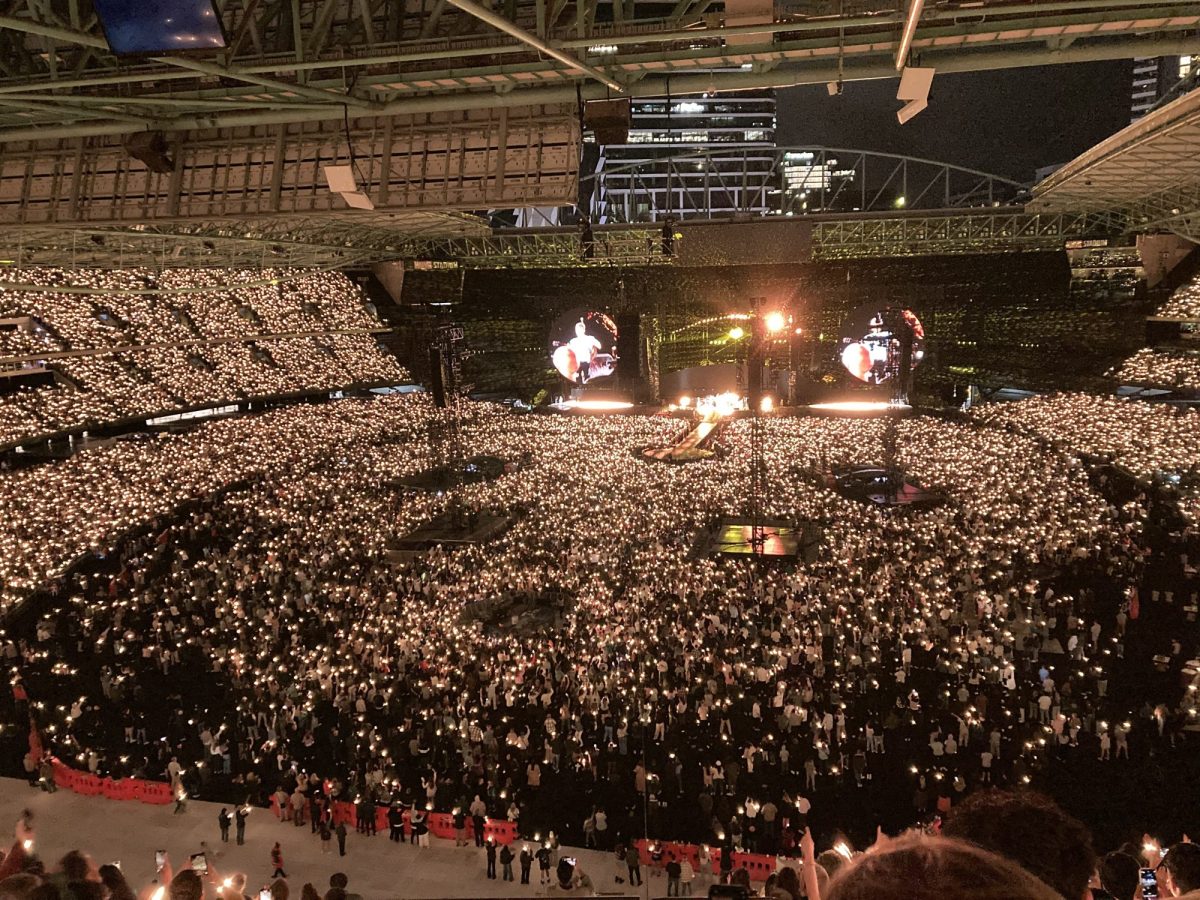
{"x":758,"y":468}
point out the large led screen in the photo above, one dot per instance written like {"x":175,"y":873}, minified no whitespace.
{"x":583,"y":346}
{"x":867,"y":342}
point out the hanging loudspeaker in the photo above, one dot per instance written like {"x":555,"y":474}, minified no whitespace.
{"x":609,"y":119}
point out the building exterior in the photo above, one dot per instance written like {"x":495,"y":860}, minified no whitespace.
{"x":1154,"y":77}
{"x":814,"y":181}
{"x":691,"y":156}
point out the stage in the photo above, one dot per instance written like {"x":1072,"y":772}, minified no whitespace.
{"x":690,"y":448}
{"x":876,"y":485}
{"x":451,"y":530}
{"x":780,"y":539}
{"x":474,"y":470}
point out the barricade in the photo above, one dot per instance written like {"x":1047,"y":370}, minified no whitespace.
{"x":441,"y":825}
{"x":757,"y":865}
{"x":498,"y":830}
{"x":157,"y":792}
{"x":381,"y":822}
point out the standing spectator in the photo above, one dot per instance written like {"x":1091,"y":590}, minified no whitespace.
{"x":478,"y":811}
{"x":506,"y":861}
{"x":239,"y":818}
{"x":223,"y":822}
{"x":674,"y":873}
{"x":491,"y":858}
{"x":341,"y":836}
{"x":297,"y":808}
{"x":277,"y":861}
{"x":420,"y":828}
{"x":460,"y":827}
{"x":326,"y":834}
{"x":633,"y":864}
{"x":687,"y":875}
{"x":601,"y":829}
{"x":395,"y":817}
{"x":526,"y":863}
{"x":543,"y":858}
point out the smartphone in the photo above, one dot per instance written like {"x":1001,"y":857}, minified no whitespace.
{"x":160,"y":860}
{"x":200,"y":863}
{"x":264,"y":894}
{"x":1149,"y":882}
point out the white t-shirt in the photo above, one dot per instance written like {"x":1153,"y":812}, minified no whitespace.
{"x":584,"y":347}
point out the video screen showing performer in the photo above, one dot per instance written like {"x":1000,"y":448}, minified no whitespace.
{"x":870,"y":347}
{"x":583,"y":346}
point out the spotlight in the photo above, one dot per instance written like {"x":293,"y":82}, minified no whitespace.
{"x":776,"y":321}
{"x":736,"y":333}
{"x":685,"y":402}
{"x":767,"y":404}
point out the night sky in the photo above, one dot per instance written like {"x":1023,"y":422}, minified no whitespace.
{"x":1007,"y":122}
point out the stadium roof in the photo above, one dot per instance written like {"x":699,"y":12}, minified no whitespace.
{"x":1149,"y":173}
{"x":320,"y":60}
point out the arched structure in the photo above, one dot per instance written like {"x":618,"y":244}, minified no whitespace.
{"x":740,"y":182}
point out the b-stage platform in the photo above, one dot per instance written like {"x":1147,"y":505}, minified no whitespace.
{"x":473,"y":470}
{"x":450,"y":530}
{"x":691,"y":447}
{"x":880,"y":486}
{"x":735,"y":536}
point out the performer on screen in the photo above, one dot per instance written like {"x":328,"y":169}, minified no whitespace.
{"x":585,"y":347}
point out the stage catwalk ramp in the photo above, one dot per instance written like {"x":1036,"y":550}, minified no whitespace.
{"x":690,"y":448}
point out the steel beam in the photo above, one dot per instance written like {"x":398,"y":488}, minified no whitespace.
{"x":81,"y":39}
{"x":499,"y":22}
{"x":650,"y":86}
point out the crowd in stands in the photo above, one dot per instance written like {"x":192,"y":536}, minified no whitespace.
{"x":1168,"y":367}
{"x":1152,"y":441}
{"x":148,"y":353}
{"x":919,"y":658}
{"x":1184,"y":302}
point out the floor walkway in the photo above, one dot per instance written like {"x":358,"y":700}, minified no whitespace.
{"x":378,"y":869}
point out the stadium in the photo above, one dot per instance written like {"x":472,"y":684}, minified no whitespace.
{"x":461,"y":449}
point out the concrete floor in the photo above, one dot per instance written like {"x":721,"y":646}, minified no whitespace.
{"x":378,"y":869}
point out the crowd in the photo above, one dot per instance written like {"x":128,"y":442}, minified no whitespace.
{"x":1165,"y":366}
{"x":147,"y":353}
{"x":1160,"y":367}
{"x":1184,"y":302}
{"x":996,"y":845}
{"x":256,"y":638}
{"x":1155,"y":442}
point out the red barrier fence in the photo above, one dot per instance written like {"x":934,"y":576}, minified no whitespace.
{"x":757,"y":865}
{"x":90,"y":785}
{"x":440,"y":825}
